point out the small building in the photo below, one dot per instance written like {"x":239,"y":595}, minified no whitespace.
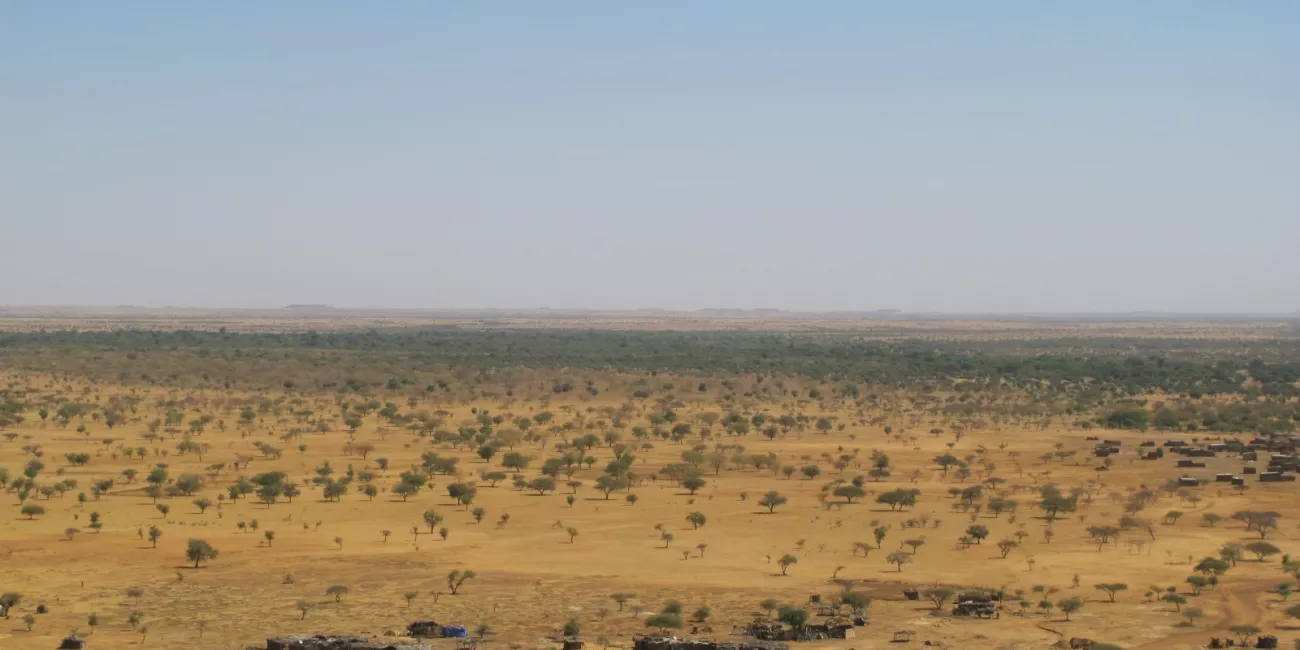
{"x":1188,"y":481}
{"x":1248,"y":470}
{"x":1223,"y":478}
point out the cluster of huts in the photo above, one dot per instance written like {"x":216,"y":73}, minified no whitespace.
{"x":1283,"y":461}
{"x":676,"y":643}
{"x":1266,"y":641}
{"x":345,"y":642}
{"x":418,"y":630}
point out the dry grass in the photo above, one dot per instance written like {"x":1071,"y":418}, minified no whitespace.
{"x":531,"y":579}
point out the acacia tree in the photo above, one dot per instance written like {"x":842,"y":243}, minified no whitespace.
{"x":457,"y":578}
{"x":938,"y":595}
{"x":198,"y":550}
{"x":1112,"y":589}
{"x":786,"y":561}
{"x":771,"y":500}
{"x":900,"y":558}
{"x":1244,"y":632}
{"x":1006,"y":546}
{"x":1069,"y":606}
{"x":664,"y":622}
{"x":1262,"y":549}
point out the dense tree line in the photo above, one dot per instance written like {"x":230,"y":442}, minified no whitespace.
{"x":1196,"y":369}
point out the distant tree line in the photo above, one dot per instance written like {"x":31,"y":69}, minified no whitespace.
{"x":1271,"y":368}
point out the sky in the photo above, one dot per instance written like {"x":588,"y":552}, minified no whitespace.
{"x":1002,"y":156}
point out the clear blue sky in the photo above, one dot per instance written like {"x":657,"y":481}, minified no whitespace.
{"x":948,"y":156}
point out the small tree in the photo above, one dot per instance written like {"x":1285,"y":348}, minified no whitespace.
{"x":693,"y":484}
{"x":304,"y":607}
{"x":572,"y":533}
{"x":771,"y":500}
{"x":786,"y":561}
{"x":849,"y":493}
{"x":1069,"y":606}
{"x":1243,"y":632}
{"x":1262,"y":549}
{"x":571,"y":628}
{"x":8,"y":601}
{"x":900,"y":558}
{"x":410,"y":596}
{"x":1193,"y":613}
{"x":337,"y":591}
{"x":32,"y":511}
{"x":795,"y":617}
{"x":457,"y":578}
{"x":859,"y":602}
{"x":1006,"y":546}
{"x":269,"y":535}
{"x":664,"y":622}
{"x":1112,"y":589}
{"x":938,"y":595}
{"x":697,"y":519}
{"x":432,"y":519}
{"x":621,"y":598}
{"x":29,"y":621}
{"x":198,"y":550}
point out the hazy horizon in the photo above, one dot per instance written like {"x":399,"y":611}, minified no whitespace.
{"x":993,"y":158}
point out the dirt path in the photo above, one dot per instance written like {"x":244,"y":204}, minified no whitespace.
{"x":1240,"y":607}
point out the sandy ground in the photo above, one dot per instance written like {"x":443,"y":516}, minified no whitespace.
{"x":531,"y":578}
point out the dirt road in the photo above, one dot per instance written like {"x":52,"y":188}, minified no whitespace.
{"x":1240,"y":607}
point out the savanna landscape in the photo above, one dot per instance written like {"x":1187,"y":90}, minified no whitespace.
{"x":210,"y":480}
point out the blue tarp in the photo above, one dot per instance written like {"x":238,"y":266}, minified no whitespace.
{"x":454,"y":631}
